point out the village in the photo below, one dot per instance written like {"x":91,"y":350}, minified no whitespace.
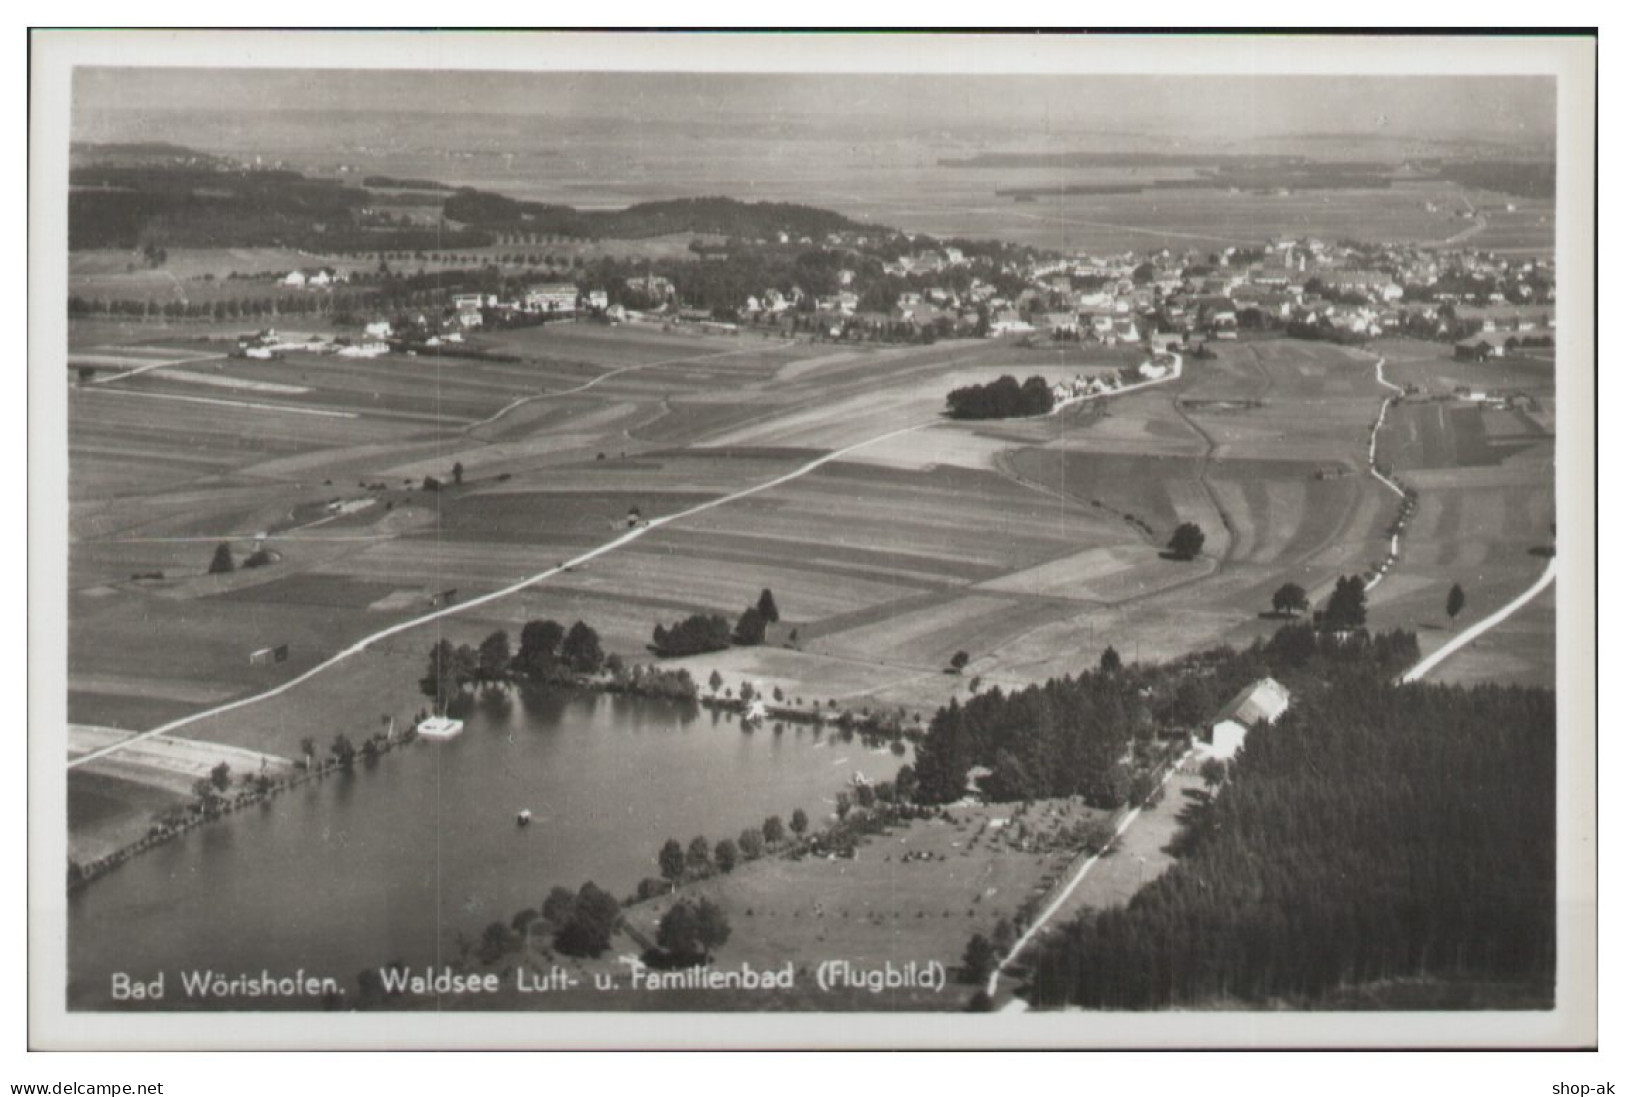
{"x":907,"y":289}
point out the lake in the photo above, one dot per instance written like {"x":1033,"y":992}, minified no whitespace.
{"x":396,"y":859}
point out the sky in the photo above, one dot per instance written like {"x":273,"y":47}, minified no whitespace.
{"x":1475,"y":108}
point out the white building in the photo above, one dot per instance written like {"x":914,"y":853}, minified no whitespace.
{"x":1260,"y":703}
{"x":551,"y":298}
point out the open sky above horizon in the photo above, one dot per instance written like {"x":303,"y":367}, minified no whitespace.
{"x":1517,"y":109}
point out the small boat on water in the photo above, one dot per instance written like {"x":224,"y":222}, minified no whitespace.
{"x":524,"y":818}
{"x":440,"y":727}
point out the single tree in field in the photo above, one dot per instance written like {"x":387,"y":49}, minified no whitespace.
{"x":960,"y":660}
{"x":677,"y":934}
{"x":441,"y":682}
{"x":752,"y":627}
{"x":494,"y":657}
{"x":1110,"y":661}
{"x":693,"y":929}
{"x":672,"y":861}
{"x":726,"y":854}
{"x":220,"y":777}
{"x":699,"y":856}
{"x":538,"y":647}
{"x":222,"y":561}
{"x":1187,"y":541}
{"x":1346,"y":609}
{"x":1455,"y":601}
{"x":457,"y":474}
{"x":712,"y":926}
{"x":581,"y":651}
{"x":559,"y":906}
{"x":1290,"y":599}
{"x":798,"y":822}
{"x":773,"y":830}
{"x":592,"y":924}
{"x":768,"y":608}
{"x":715,"y":681}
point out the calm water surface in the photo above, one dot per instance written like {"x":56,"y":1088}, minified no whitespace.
{"x":396,"y":859}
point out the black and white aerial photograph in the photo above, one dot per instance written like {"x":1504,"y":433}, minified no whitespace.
{"x":1054,"y":545}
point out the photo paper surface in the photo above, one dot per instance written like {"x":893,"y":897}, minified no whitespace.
{"x":826,"y":540}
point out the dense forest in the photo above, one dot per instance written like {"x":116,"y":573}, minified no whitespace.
{"x":1077,"y":735}
{"x":1002,"y":399}
{"x":125,"y":206}
{"x":1376,"y":833}
{"x":693,"y":635}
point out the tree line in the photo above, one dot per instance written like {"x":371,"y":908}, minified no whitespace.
{"x":705,"y":632}
{"x":1005,"y":398}
{"x":546,"y":652}
{"x":1091,"y":735}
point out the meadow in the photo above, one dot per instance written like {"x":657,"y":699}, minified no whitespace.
{"x":1028,"y":545}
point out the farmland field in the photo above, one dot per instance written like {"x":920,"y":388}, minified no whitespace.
{"x":1029,"y":545}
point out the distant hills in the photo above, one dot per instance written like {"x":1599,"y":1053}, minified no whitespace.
{"x":129,"y":195}
{"x":1525,"y":178}
{"x":139,"y":154}
{"x":719,"y":216}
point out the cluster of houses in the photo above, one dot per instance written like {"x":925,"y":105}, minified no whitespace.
{"x":268,"y":343}
{"x":547,"y":299}
{"x":1081,"y":387}
{"x":1168,"y":300}
{"x":1497,"y":329}
{"x":1165,"y":301}
{"x":314,"y":278}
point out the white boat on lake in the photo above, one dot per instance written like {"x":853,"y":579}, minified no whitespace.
{"x":440,"y":727}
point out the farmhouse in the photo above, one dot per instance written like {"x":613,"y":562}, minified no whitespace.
{"x":1492,"y":344}
{"x":468,"y":306}
{"x":322,"y":276}
{"x":1496,"y":318}
{"x":652,"y":286}
{"x":1260,"y":703}
{"x":1164,"y":341}
{"x":551,"y":298}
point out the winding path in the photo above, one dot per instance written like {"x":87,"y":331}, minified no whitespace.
{"x":1371,"y":463}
